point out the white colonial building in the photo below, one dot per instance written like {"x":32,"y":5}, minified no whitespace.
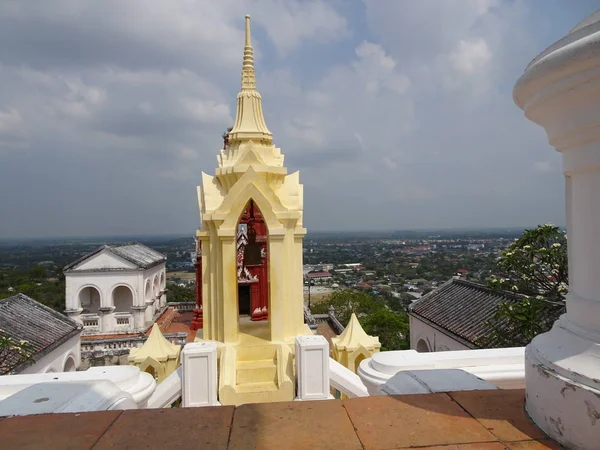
{"x":116,"y":288}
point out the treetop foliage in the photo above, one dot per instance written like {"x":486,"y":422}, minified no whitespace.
{"x":534,"y":266}
{"x":376,"y":319}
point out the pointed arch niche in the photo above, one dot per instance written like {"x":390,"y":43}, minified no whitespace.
{"x":221,"y":215}
{"x":252,"y":266}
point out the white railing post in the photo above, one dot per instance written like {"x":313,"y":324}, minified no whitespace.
{"x":199,"y":362}
{"x":167,"y":392}
{"x":312,"y":368}
{"x":346,"y":381}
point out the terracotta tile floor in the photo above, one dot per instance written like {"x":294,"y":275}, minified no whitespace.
{"x":477,"y":420}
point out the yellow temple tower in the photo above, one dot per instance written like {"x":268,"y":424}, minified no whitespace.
{"x":255,"y":357}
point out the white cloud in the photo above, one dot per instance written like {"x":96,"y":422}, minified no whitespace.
{"x":10,"y":121}
{"x":405,"y":114}
{"x":288,"y":23}
{"x":188,"y":154}
{"x":543,"y":166}
{"x":207,"y":111}
{"x":146,"y":108}
{"x":80,"y":99}
{"x":471,"y":56}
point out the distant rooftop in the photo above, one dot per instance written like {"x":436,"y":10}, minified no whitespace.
{"x":142,"y":256}
{"x":463,"y":309}
{"x":22,"y":318}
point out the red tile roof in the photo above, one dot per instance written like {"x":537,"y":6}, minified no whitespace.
{"x":318,"y":274}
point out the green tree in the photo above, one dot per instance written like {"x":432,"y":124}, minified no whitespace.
{"x":375,"y":318}
{"x":38,"y":273}
{"x":181,"y":294}
{"x":535,"y":268}
{"x":391,"y":328}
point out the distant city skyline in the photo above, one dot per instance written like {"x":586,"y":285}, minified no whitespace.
{"x":310,"y":234}
{"x":399,"y":115}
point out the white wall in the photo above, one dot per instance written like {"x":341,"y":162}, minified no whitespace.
{"x":436,"y":340}
{"x":56,"y":360}
{"x":105,"y":282}
{"x":105,"y":260}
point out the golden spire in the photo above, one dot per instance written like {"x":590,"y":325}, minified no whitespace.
{"x":249,"y":120}
{"x":248,"y":74}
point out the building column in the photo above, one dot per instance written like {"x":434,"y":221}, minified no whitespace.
{"x":149,"y":311}
{"x":229,"y":285}
{"x":277,"y":280}
{"x":106,"y":318}
{"x":560,"y":90}
{"x":139,"y":322}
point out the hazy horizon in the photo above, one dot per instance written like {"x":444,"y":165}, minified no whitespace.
{"x":125,"y":237}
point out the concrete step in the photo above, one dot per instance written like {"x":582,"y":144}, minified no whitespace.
{"x":248,"y":388}
{"x":259,"y":371}
{"x":256,"y":352}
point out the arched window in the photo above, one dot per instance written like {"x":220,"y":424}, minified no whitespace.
{"x":422,"y":346}
{"x":122,"y":299}
{"x":89,"y":300}
{"x":148,"y":291}
{"x":70,"y":365}
{"x":252,"y":264}
{"x":162,"y":280}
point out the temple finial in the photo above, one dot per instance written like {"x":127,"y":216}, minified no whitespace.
{"x":248,"y":74}
{"x":248,"y":37}
{"x":249,"y":120}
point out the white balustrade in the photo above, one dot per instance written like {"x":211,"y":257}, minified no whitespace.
{"x":91,"y":322}
{"x":312,"y":368}
{"x":346,"y":381}
{"x":168,"y":391}
{"x":123,"y":321}
{"x":503,"y":367}
{"x":199,"y":381}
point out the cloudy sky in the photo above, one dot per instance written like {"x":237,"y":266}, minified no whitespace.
{"x":397,"y":113}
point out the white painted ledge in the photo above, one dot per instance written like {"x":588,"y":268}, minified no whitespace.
{"x":67,"y":397}
{"x":505,"y":367}
{"x":432,"y":381}
{"x":139,"y":385}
